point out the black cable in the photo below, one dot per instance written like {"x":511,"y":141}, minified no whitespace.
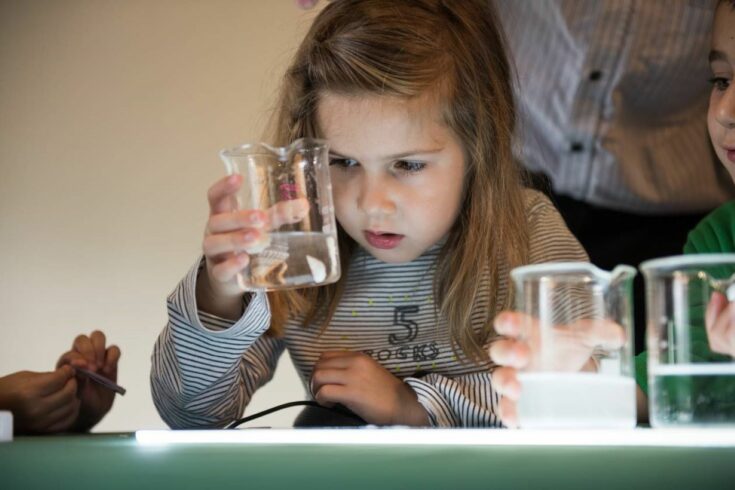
{"x":308,"y":403}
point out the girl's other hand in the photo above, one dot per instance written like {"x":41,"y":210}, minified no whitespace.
{"x":90,"y":353}
{"x":519,"y":349}
{"x":361,"y":384}
{"x":41,"y":402}
{"x":720,"y":324}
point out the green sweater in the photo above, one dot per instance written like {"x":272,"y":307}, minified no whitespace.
{"x":714,"y":234}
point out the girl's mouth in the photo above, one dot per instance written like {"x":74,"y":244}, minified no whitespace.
{"x":384,"y":241}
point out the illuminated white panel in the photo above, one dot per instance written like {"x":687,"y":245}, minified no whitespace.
{"x":447,"y":437}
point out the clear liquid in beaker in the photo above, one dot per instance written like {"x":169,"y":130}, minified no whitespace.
{"x":292,"y":259}
{"x":693,"y":394}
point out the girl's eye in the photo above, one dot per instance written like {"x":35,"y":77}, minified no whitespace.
{"x":720,"y":83}
{"x":343,"y":162}
{"x":409,"y":166}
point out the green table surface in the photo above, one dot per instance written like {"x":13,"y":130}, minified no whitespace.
{"x":110,"y":461}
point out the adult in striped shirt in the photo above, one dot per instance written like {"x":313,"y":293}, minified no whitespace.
{"x":612,"y":102}
{"x":416,"y":103}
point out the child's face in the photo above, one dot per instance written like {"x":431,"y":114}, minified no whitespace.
{"x":397,"y":172}
{"x":721,"y":115}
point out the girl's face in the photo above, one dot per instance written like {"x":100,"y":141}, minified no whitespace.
{"x":721,"y":115}
{"x":397,"y":172}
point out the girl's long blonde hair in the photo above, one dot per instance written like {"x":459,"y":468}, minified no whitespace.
{"x":453,"y":50}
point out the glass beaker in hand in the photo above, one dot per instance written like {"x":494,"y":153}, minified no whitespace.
{"x":690,"y":340}
{"x":577,"y":321}
{"x":291,"y":184}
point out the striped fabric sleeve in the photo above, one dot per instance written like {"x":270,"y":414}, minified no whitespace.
{"x":461,"y":401}
{"x":205,"y":369}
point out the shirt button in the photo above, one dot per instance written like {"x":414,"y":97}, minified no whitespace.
{"x":576,"y":146}
{"x":595,"y":75}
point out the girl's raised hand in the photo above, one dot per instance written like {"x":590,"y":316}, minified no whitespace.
{"x":361,"y":384}
{"x":91,"y":353}
{"x":231,"y":235}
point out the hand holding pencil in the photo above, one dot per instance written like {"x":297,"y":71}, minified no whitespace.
{"x":96,"y":371}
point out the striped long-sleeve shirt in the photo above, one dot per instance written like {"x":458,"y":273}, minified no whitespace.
{"x":205,"y":369}
{"x":612,"y":98}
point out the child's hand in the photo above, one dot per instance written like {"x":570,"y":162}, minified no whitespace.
{"x":91,"y":353}
{"x":720,"y":324}
{"x":519,"y":349}
{"x":230,"y":236}
{"x":361,"y":384}
{"x":41,"y":402}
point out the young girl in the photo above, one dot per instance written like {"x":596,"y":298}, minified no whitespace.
{"x":714,"y":234}
{"x":414,"y":99}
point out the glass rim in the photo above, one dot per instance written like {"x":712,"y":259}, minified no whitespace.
{"x":535,"y":271}
{"x":667,"y":265}
{"x":262,"y":148}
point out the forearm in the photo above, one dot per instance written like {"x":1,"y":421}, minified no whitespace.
{"x":461,"y":401}
{"x":224,"y":307}
{"x":205,"y":368}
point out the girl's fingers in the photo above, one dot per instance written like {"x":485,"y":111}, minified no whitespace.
{"x":218,"y":246}
{"x":508,"y":413}
{"x":225,"y":271}
{"x":510,"y":352}
{"x":237,"y":220}
{"x":505,"y":381}
{"x":98,"y":344}
{"x":599,"y":333}
{"x":328,"y":395}
{"x":221,"y":195}
{"x":281,"y":213}
{"x":323,"y":377}
{"x":511,"y":323}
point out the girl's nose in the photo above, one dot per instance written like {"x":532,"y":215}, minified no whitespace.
{"x":375,"y":199}
{"x":725,"y":113}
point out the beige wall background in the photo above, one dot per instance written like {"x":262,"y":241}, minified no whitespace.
{"x":111,"y":116}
